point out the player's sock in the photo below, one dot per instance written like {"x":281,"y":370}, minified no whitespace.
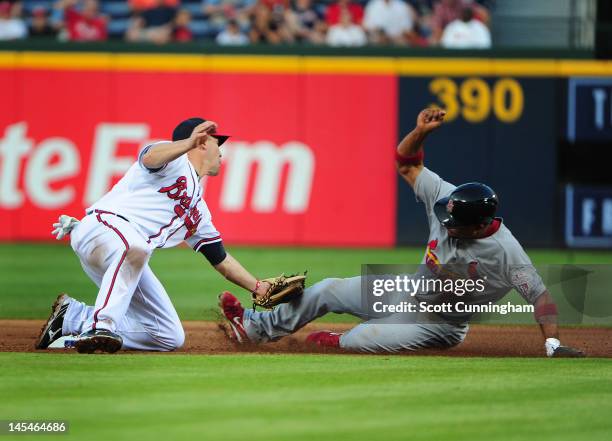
{"x":77,"y":315}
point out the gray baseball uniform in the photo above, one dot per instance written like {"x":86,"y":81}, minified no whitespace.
{"x":499,"y":257}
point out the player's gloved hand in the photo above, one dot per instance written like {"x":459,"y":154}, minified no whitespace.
{"x":554,"y":349}
{"x":64,"y":226}
{"x":281,"y":289}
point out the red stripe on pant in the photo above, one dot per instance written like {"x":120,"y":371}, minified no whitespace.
{"x":123,"y":256}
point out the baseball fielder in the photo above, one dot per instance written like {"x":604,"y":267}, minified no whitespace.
{"x":157,"y":204}
{"x":463,"y":230}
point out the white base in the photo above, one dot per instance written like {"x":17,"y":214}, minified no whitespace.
{"x":65,"y":342}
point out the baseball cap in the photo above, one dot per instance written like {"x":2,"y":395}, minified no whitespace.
{"x":184,"y":129}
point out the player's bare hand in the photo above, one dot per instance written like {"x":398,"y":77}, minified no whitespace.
{"x":200,"y":132}
{"x":262,"y":289}
{"x":430,"y":119}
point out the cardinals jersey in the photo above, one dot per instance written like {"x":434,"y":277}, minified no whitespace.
{"x":499,"y":258}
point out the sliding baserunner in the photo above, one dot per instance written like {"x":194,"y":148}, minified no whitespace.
{"x":463,"y":232}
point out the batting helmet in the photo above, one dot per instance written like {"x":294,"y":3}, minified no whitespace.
{"x":184,"y":129}
{"x":469,"y":204}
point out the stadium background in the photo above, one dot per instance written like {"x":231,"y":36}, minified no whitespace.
{"x":311,"y":160}
{"x":534,"y":123}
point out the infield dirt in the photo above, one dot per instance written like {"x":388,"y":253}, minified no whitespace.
{"x":482,"y":340}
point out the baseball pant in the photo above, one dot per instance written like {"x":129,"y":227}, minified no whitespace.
{"x":131,"y":300}
{"x":379,"y":333}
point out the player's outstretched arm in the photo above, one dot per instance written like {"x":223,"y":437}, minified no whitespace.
{"x":233,"y":271}
{"x":546,"y":316}
{"x":409,"y":154}
{"x":161,"y":154}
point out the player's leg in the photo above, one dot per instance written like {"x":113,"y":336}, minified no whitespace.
{"x":77,"y":316}
{"x":329,"y":295}
{"x":87,"y":241}
{"x":125,"y":263}
{"x":393,"y":335}
{"x":114,"y":254}
{"x":150,"y":323}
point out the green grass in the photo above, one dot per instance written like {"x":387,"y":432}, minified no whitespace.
{"x":306,"y":397}
{"x":284,"y":397}
{"x":31,"y":274}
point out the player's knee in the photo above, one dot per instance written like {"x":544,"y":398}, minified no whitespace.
{"x":362,"y":340}
{"x":457,"y":337}
{"x":137,"y":255}
{"x":179,"y":338}
{"x":175,"y":340}
{"x":385,"y":338}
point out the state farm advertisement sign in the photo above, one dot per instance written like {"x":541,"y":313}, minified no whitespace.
{"x":310,"y":161}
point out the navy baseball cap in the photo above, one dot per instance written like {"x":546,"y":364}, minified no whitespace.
{"x":184,"y":129}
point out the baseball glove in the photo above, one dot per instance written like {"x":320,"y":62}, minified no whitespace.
{"x":282,"y":290}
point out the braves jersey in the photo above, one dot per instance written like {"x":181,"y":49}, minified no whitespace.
{"x":498,"y":258}
{"x":165,"y":205}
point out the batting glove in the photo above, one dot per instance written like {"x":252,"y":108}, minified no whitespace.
{"x":64,"y":226}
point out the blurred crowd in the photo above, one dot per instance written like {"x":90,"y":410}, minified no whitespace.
{"x":418,"y":23}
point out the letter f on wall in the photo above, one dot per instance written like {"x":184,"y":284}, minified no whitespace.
{"x":104,"y":165}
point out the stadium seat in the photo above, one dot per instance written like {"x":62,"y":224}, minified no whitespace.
{"x":115,"y":9}
{"x":117,"y":27}
{"x":30,"y":5}
{"x":202,"y":29}
{"x":195,"y":9}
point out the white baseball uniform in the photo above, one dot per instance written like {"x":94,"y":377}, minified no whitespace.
{"x":145,"y":210}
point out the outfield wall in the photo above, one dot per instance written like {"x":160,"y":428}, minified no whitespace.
{"x":311,"y":160}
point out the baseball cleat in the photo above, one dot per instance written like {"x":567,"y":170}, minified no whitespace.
{"x":52,"y":330}
{"x":326,"y":339}
{"x":98,"y":340}
{"x":233,"y":311}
